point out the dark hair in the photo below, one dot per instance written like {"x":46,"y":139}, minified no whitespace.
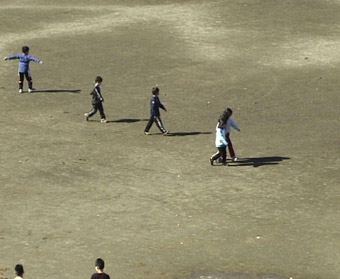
{"x":155,"y":90}
{"x":99,"y":263}
{"x":25,"y":49}
{"x":19,"y":270}
{"x":98,"y":79}
{"x":224,"y":117}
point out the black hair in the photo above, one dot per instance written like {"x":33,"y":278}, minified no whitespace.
{"x":25,"y":49}
{"x":98,"y":79}
{"x":19,"y":270}
{"x":155,"y":90}
{"x":99,"y":263}
{"x":224,"y":117}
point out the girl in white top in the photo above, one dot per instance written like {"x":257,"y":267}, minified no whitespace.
{"x":220,"y":141}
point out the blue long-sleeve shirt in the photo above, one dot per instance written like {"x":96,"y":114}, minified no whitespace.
{"x":155,"y":104}
{"x":24,"y":60}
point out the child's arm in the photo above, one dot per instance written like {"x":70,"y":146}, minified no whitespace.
{"x":161,"y":106}
{"x":35,"y":59}
{"x":234,"y":125}
{"x":222,"y":137}
{"x":15,"y":56}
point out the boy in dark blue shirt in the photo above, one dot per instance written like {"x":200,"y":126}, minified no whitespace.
{"x":155,"y":116}
{"x":97,"y":101}
{"x":24,"y":70}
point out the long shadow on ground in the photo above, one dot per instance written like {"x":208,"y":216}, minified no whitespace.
{"x":127,"y":120}
{"x":258,"y":161}
{"x":181,"y":134}
{"x":56,"y":91}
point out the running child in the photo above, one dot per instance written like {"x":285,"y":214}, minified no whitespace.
{"x":24,"y":70}
{"x":155,"y":116}
{"x":97,"y":101}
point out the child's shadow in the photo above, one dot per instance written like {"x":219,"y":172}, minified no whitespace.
{"x":127,"y":120}
{"x":258,"y":161}
{"x":181,"y":134}
{"x":56,"y":91}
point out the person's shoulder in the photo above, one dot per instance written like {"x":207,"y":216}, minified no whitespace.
{"x":100,"y":276}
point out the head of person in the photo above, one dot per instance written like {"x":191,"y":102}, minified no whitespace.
{"x":224,"y":117}
{"x":228,"y":112}
{"x":99,"y":264}
{"x":25,"y":49}
{"x":19,"y":270}
{"x":98,"y":80}
{"x":155,"y":90}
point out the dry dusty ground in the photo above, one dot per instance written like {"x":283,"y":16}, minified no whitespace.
{"x":152,"y":206}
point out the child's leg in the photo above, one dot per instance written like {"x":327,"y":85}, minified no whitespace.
{"x":92,"y":111}
{"x":159,"y":124}
{"x":21,"y":80}
{"x":101,"y":111}
{"x":224,"y":154}
{"x":148,"y":126}
{"x":29,"y":79}
{"x":217,"y":155}
{"x":230,"y":146}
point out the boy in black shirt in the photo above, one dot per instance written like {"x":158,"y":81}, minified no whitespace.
{"x":100,"y":274}
{"x":97,"y":101}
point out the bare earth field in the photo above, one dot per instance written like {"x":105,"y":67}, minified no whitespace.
{"x":152,"y":206}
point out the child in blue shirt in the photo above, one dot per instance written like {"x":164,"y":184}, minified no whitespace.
{"x":24,"y":70}
{"x":97,"y":101}
{"x":155,"y":116}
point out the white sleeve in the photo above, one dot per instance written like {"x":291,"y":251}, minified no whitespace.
{"x":234,"y":124}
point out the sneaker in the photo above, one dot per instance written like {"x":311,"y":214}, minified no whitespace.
{"x":146,"y":133}
{"x":211,"y":162}
{"x":21,"y":91}
{"x":86,"y":116}
{"x":234,"y":159}
{"x":103,"y":120}
{"x":30,"y":90}
{"x":166,"y":132}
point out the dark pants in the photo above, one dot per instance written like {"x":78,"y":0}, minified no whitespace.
{"x":221,"y":151}
{"x":230,"y":146}
{"x":28,"y":78}
{"x":158,"y":121}
{"x":96,"y":107}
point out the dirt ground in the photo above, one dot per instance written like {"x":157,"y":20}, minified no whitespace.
{"x":152,"y":206}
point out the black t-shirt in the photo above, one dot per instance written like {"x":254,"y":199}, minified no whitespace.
{"x":100,"y":276}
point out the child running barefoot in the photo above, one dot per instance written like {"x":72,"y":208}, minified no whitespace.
{"x":97,"y":101}
{"x":24,"y":70}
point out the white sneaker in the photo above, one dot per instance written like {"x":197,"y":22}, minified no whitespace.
{"x":234,"y":159}
{"x":86,"y":116}
{"x":103,"y":120}
{"x":21,"y":91}
{"x":30,"y":90}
